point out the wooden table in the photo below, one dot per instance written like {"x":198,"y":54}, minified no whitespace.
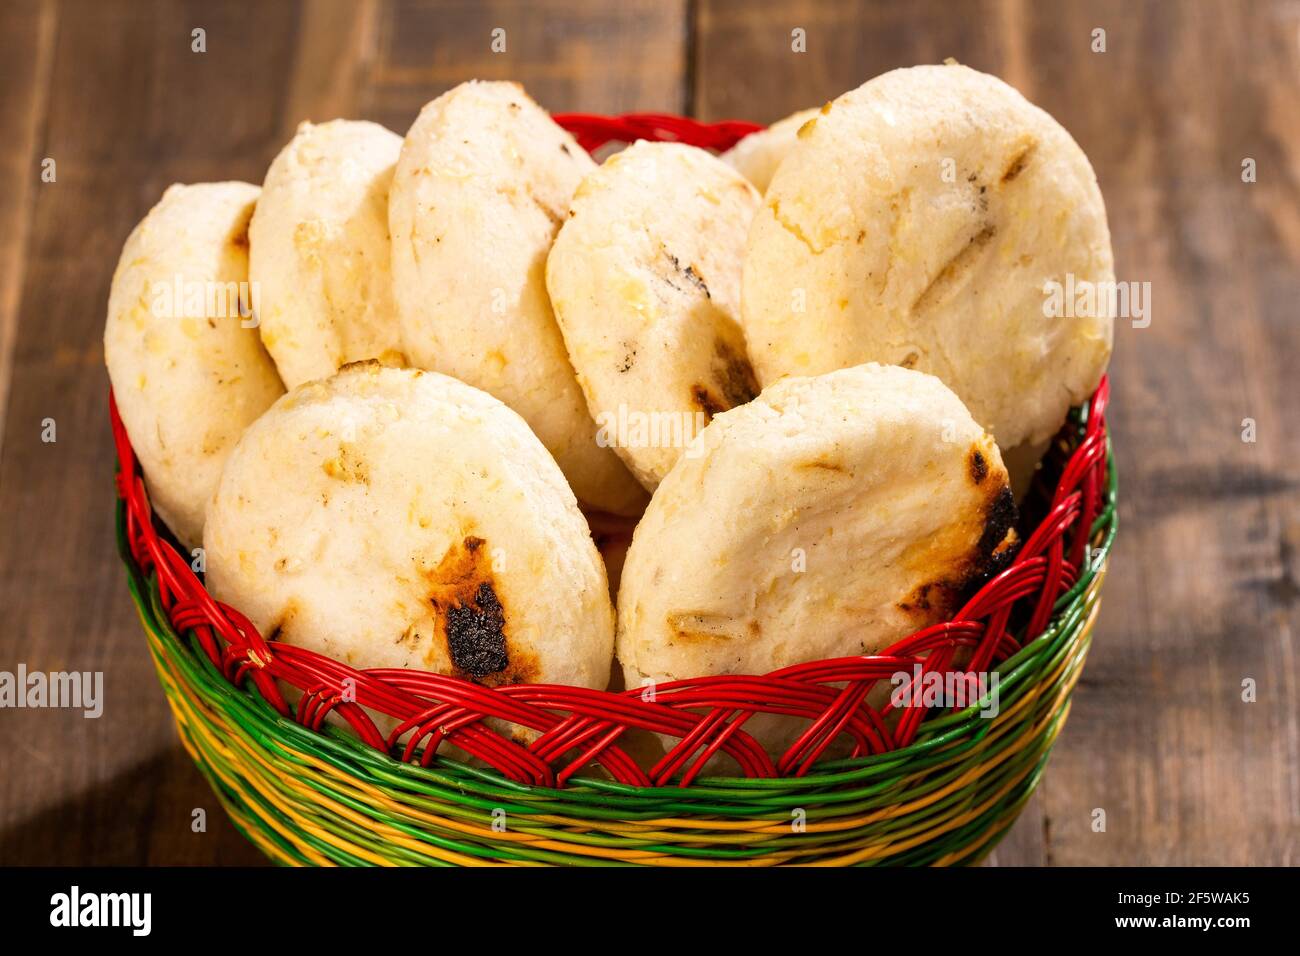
{"x":1203,"y":588}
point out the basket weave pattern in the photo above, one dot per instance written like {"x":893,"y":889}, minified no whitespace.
{"x":922,"y":788}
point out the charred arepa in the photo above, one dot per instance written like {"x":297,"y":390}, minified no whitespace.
{"x":398,"y":518}
{"x":645,"y":280}
{"x":829,"y":517}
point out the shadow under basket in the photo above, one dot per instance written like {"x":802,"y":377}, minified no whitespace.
{"x":924,"y":785}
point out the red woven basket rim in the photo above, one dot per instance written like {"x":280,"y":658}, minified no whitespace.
{"x":578,"y":726}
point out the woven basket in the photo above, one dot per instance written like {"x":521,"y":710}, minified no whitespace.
{"x":923,"y":787}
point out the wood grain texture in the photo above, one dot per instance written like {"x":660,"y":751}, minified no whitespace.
{"x":26,"y":52}
{"x":121,"y":124}
{"x":1202,"y":592}
{"x":1203,"y":588}
{"x":571,"y":56}
{"x":113,"y":92}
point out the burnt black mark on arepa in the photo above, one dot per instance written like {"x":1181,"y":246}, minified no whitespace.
{"x":734,"y":374}
{"x":476,"y":636}
{"x":998,"y":520}
{"x":472,"y":620}
{"x":697,"y":280}
{"x":732,"y":381}
{"x":930,"y":596}
{"x":706,"y":401}
{"x":979,"y":468}
{"x":960,"y":574}
{"x":690,"y":274}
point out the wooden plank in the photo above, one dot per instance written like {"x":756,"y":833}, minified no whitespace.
{"x":26,"y":47}
{"x":1203,"y":588}
{"x":1204,"y":591}
{"x":333,"y":57}
{"x":130,"y":110}
{"x":746,"y":67}
{"x":571,"y":56}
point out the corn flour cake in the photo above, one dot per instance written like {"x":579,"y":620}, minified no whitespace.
{"x":482,"y":186}
{"x":188,"y":369}
{"x":919,"y":223}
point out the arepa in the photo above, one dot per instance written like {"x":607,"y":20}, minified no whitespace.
{"x":645,"y":281}
{"x":757,"y":156}
{"x":831,"y":516}
{"x":920,"y":222}
{"x":481,"y":188}
{"x":320,"y":250}
{"x":399,"y":518}
{"x":188,"y":370}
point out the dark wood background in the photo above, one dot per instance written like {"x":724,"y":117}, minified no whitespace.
{"x":1203,"y":587}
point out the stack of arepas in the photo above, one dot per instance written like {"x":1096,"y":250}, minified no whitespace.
{"x":799,"y":371}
